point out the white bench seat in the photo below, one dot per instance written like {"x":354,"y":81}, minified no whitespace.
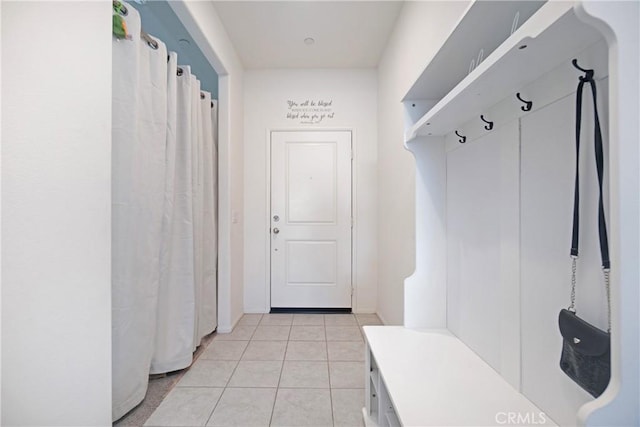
{"x":433,"y":379}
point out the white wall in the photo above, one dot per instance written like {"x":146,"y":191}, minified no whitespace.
{"x":203,"y":23}
{"x":482,"y":242}
{"x":428,"y":281}
{"x":353,"y":96}
{"x":420,"y":30}
{"x":56,"y":198}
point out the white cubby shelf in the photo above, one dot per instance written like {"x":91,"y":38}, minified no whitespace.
{"x":544,"y":41}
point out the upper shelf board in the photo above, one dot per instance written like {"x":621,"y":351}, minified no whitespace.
{"x":551,"y":36}
{"x":483,"y":27}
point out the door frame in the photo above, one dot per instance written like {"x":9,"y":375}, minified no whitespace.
{"x":267,"y":201}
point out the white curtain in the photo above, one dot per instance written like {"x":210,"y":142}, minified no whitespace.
{"x":176,"y":304}
{"x":196,"y":155}
{"x":208,"y":309}
{"x":138,"y":179}
{"x":163,"y":228}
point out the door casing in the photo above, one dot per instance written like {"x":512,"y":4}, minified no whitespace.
{"x":267,"y":219}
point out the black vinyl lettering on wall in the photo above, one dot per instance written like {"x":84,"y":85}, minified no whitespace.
{"x":310,"y":111}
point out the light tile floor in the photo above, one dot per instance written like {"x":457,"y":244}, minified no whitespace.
{"x":159,"y":387}
{"x":275,"y":370}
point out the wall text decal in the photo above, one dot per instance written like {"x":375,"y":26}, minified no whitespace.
{"x":310,"y":111}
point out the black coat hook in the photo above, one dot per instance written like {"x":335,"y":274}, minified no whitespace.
{"x":462,"y":139}
{"x":588,"y":73}
{"x":489,"y":125}
{"x":529,"y":104}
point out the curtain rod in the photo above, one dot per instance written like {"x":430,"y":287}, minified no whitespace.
{"x":122,"y":9}
{"x":153,"y":44}
{"x":150,"y":41}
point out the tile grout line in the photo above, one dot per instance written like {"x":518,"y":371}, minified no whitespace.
{"x":273,"y":407}
{"x":230,"y":376}
{"x":333,"y":421}
{"x":283,"y":360}
{"x":179,"y":374}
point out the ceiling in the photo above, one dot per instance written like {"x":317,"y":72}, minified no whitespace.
{"x":271,"y":34}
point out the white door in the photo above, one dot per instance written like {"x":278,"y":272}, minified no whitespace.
{"x":311,"y":219}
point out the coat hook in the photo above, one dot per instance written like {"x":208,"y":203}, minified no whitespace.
{"x":489,"y":125}
{"x":462,"y":139}
{"x":588,"y":73}
{"x":528,"y":105}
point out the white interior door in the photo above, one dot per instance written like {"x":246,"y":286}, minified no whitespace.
{"x":311,"y":219}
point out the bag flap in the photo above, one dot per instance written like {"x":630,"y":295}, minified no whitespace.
{"x":582,"y":336}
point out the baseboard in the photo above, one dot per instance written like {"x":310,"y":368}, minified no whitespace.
{"x":225,"y":329}
{"x":260,"y":310}
{"x":382,"y":319}
{"x":365,"y":311}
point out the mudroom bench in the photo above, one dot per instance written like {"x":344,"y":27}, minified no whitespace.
{"x":431,"y":378}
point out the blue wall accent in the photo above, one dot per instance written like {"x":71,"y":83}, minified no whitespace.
{"x":159,"y":20}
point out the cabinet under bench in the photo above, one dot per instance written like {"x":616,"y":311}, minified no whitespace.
{"x":431,"y":378}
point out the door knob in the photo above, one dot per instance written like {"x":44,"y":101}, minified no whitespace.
{"x":276,"y":231}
